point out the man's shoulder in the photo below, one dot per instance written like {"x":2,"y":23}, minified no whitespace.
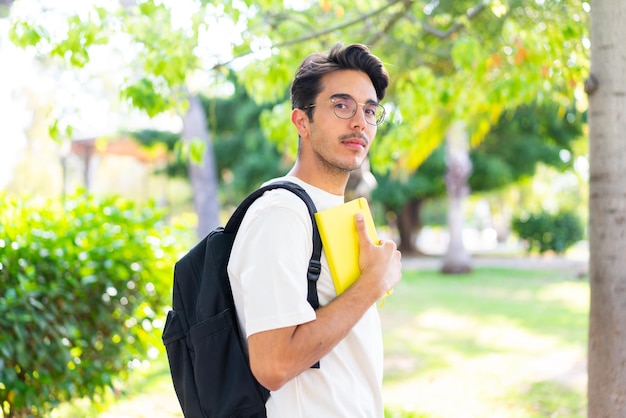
{"x":276,"y":198}
{"x":276,"y":204}
{"x":322,"y":199}
{"x":282,"y":197}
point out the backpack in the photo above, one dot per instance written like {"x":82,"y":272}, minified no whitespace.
{"x":203,"y":341}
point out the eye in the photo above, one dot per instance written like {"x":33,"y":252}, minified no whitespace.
{"x":341,"y":104}
{"x":371,"y":110}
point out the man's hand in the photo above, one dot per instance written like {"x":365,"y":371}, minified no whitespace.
{"x":380,"y":263}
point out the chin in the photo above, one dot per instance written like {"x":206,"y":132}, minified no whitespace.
{"x":355,"y":166}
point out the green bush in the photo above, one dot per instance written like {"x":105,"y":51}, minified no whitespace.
{"x":547,"y":232}
{"x":83,"y":284}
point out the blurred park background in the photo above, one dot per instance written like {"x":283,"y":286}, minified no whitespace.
{"x":131,"y":128}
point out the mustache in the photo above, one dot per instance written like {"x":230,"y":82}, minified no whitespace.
{"x":358,"y":135}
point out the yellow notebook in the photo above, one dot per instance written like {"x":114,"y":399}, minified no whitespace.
{"x":341,"y":242}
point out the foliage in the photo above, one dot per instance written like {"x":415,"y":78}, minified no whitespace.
{"x":547,"y":232}
{"x":448,"y":60}
{"x":244,"y":156}
{"x":81,"y":35}
{"x":399,"y":413}
{"x":83,"y":284}
{"x":424,"y":183}
{"x":176,"y":165}
{"x":163,"y":55}
{"x":523,"y":138}
{"x":520,"y":140}
{"x":435,"y":212}
{"x":166,"y":57}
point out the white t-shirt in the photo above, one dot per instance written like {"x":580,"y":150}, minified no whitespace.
{"x":267,"y":270}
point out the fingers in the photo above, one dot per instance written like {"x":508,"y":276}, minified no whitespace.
{"x":361,"y":230}
{"x":380,"y":262}
{"x":364,"y":238}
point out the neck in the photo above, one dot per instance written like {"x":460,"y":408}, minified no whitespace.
{"x":334,"y":183}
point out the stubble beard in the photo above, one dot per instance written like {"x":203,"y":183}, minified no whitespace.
{"x":336,"y":167}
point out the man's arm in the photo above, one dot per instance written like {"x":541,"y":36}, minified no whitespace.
{"x":279,"y":355}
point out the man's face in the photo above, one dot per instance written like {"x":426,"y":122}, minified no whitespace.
{"x":336,"y":143}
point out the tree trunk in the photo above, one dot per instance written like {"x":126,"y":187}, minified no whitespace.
{"x":459,"y":166}
{"x":408,"y":219}
{"x":202,"y":175}
{"x":607,"y":211}
{"x":362,"y":182}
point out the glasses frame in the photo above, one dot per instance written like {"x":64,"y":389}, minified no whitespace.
{"x":378,"y":122}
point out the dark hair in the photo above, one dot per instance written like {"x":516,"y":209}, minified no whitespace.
{"x":306,"y":84}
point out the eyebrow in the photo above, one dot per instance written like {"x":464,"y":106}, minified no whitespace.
{"x":347,"y":96}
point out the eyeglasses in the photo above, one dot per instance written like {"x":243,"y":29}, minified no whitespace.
{"x":345,"y":107}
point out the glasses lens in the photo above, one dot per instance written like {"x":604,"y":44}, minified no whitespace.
{"x":380,"y":114}
{"x":374,"y":114}
{"x":345,"y":108}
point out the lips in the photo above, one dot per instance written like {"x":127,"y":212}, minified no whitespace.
{"x":354,"y":140}
{"x":360,"y":143}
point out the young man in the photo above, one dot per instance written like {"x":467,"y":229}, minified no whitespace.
{"x":336,"y":111}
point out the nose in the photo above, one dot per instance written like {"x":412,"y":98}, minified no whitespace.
{"x":358,"y":119}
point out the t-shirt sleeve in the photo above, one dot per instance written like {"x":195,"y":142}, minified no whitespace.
{"x":269,"y":261}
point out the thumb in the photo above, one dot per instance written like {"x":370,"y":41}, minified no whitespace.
{"x":361,"y":230}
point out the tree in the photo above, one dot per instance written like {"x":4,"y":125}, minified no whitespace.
{"x":405,"y":196}
{"x":243,"y":156}
{"x":202,"y":172}
{"x":458,"y":169}
{"x":607,"y":226}
{"x":156,"y":80}
{"x":522,"y":139}
{"x":448,"y":60}
{"x":442,"y":56}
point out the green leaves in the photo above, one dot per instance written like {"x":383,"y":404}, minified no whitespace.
{"x":144,"y":95}
{"x":447,"y":60}
{"x":549,"y":232}
{"x":165,"y":55}
{"x":81,"y":36}
{"x":197,"y":149}
{"x":467,"y":54}
{"x":77,"y":281}
{"x":74,"y":44}
{"x":58,"y":133}
{"x":24,"y":34}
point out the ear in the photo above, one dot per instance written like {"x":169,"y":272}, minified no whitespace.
{"x":300,"y":120}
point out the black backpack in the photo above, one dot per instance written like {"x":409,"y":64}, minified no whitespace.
{"x":209,"y":367}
